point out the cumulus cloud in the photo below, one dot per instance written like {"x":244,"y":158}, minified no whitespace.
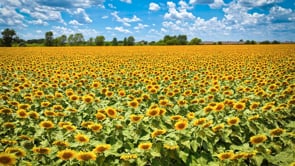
{"x":201,"y":1}
{"x":154,"y":7}
{"x":82,"y":15}
{"x":8,"y":16}
{"x":74,"y":22}
{"x":180,"y":13}
{"x":71,"y":3}
{"x":125,"y":21}
{"x":217,"y":4}
{"x":140,"y":26}
{"x":121,"y":29}
{"x":258,"y":3}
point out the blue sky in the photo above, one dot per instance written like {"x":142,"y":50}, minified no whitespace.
{"x":210,"y":20}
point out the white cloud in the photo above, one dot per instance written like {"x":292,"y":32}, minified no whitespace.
{"x":154,"y":7}
{"x":140,"y":26}
{"x":278,"y":14}
{"x":174,"y":14}
{"x":108,"y":28}
{"x":126,"y":1}
{"x":217,"y":4}
{"x":66,"y":4}
{"x":74,"y":22}
{"x":111,"y":6}
{"x":38,"y":22}
{"x":121,"y":29}
{"x":126,"y":21}
{"x":8,"y":16}
{"x":257,"y":3}
{"x":105,"y":17}
{"x":82,"y":15}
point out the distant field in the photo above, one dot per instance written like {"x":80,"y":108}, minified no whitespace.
{"x":148,"y":105}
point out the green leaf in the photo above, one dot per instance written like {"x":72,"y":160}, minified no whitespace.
{"x":194,"y":145}
{"x":155,"y":154}
{"x":258,"y":159}
{"x":183,"y":156}
{"x":186,"y":144}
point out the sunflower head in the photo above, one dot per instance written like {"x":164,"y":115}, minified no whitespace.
{"x":81,"y":138}
{"x":180,"y":125}
{"x":135,"y":118}
{"x":158,"y":132}
{"x":101,"y":148}
{"x":111,"y":112}
{"x":233,"y":121}
{"x":7,"y":159}
{"x":46,"y":124}
{"x":19,"y":152}
{"x":66,"y":154}
{"x":225,"y":155}
{"x":85,"y":156}
{"x":258,"y":139}
{"x":145,"y":146}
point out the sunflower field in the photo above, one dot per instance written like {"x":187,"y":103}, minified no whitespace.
{"x":148,"y":105}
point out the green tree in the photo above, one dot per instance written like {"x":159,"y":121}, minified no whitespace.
{"x":131,"y":41}
{"x":78,"y":39}
{"x":8,"y":37}
{"x":99,"y":40}
{"x":114,"y":42}
{"x":182,"y":39}
{"x":61,"y":40}
{"x":125,"y":41}
{"x":195,"y":41}
{"x":71,"y":40}
{"x":90,"y":42}
{"x":49,"y":38}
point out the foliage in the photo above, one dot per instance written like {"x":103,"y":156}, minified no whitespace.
{"x":209,"y":105}
{"x":49,"y":39}
{"x":8,"y":37}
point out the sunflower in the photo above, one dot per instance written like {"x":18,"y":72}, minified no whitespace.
{"x":81,"y":138}
{"x":6,"y":111}
{"x":276,"y":131}
{"x":100,"y":116}
{"x":46,"y":124}
{"x":181,"y":125}
{"x":190,"y":115}
{"x":71,"y":110}
{"x":57,"y":107}
{"x":66,"y":154}
{"x":135,"y":118}
{"x":19,"y":152}
{"x":238,"y":156}
{"x":233,"y":121}
{"x":49,"y":113}
{"x":128,"y":156}
{"x":134,"y":103}
{"x":162,"y":111}
{"x":111,"y":112}
{"x":85,"y":156}
{"x":9,"y":125}
{"x":258,"y":139}
{"x":95,"y":127}
{"x":145,"y":146}
{"x":34,"y":114}
{"x":218,"y":107}
{"x":7,"y":159}
{"x":239,"y":106}
{"x":86,"y":124}
{"x":254,"y":105}
{"x":87,"y":99}
{"x":199,"y":121}
{"x":69,"y":127}
{"x":171,"y":147}
{"x":101,"y":148}
{"x":163,"y":102}
{"x":24,"y":106}
{"x":218,"y":127}
{"x":61,"y":143}
{"x":74,"y":97}
{"x":176,"y":117}
{"x":21,"y":113}
{"x":181,"y":103}
{"x":41,"y":150}
{"x":209,"y":123}
{"x":122,"y":93}
{"x":153,"y":112}
{"x":158,"y":132}
{"x":208,"y":109}
{"x":225,"y":155}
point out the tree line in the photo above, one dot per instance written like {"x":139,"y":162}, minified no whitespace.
{"x":10,"y":38}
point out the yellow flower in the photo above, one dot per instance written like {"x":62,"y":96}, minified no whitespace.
{"x":219,"y":107}
{"x":81,"y":138}
{"x":233,"y":121}
{"x":258,"y":139}
{"x":19,"y":152}
{"x":276,"y":132}
{"x":66,"y":154}
{"x":133,"y":103}
{"x":158,"y":132}
{"x":153,"y":112}
{"x":218,"y":127}
{"x":46,"y":124}
{"x":8,"y":125}
{"x":87,"y":99}
{"x":239,"y":106}
{"x":254,"y":117}
{"x":181,"y":125}
{"x":41,"y":150}
{"x":85,"y":156}
{"x":95,"y":127}
{"x":171,"y":147}
{"x":7,"y":159}
{"x":199,"y":121}
{"x":61,"y":143}
{"x":225,"y":155}
{"x":176,"y":117}
{"x":100,"y":116}
{"x":135,"y":118}
{"x":111,"y":112}
{"x":128,"y":156}
{"x":145,"y":146}
{"x":34,"y":115}
{"x":24,"y":106}
{"x":21,"y":113}
{"x":190,"y":115}
{"x":101,"y":148}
